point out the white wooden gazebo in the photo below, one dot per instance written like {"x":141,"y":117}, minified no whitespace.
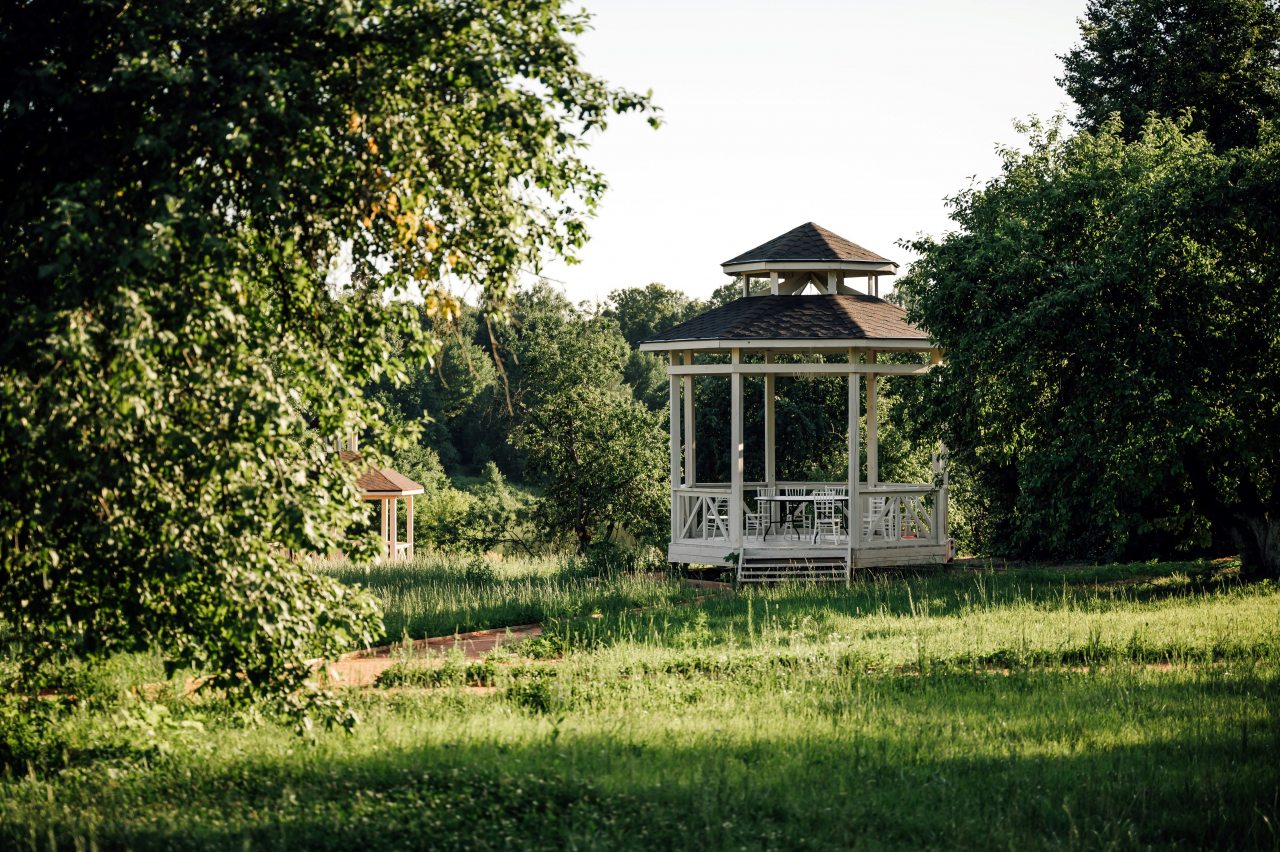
{"x":838,"y":330}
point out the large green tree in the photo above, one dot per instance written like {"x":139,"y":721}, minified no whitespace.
{"x":1218,"y":58}
{"x":1110,"y":313}
{"x":598,"y":454}
{"x":642,"y":312}
{"x":179,"y":180}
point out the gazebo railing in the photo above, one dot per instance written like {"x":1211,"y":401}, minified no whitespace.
{"x":902,"y":515}
{"x":702,"y":512}
{"x":887,"y":515}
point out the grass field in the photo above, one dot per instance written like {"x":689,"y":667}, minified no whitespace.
{"x":1110,"y":707}
{"x":439,"y":595}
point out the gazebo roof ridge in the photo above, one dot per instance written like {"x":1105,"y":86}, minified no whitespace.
{"x":811,"y":247}
{"x":383,"y":481}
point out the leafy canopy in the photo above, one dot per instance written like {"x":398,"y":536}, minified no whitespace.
{"x":599,"y":455}
{"x":1218,"y":58}
{"x":1110,"y":313}
{"x":179,"y":182}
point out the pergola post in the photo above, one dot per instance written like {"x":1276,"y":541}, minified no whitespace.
{"x":674,"y":392}
{"x":409,"y":525}
{"x":735,"y":449}
{"x":770,"y":428}
{"x":873,"y":427}
{"x":690,"y":429}
{"x":382,"y":525}
{"x":393,"y":506}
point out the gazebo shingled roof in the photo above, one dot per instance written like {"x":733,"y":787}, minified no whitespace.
{"x":384,"y":480}
{"x":825,"y":317}
{"x":808,"y":242}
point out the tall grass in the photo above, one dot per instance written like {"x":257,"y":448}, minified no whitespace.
{"x":1123,"y":707}
{"x":1171,"y":614}
{"x":438,"y":595}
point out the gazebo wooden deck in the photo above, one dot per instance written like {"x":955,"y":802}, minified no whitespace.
{"x":842,"y":332}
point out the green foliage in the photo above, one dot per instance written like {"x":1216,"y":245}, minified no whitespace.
{"x":642,"y":312}
{"x":1218,"y":58}
{"x":451,"y":671}
{"x":441,"y":397}
{"x":180,"y":180}
{"x":1110,"y":313}
{"x":598,"y":454}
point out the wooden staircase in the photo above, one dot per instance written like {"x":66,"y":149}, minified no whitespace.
{"x":775,"y":568}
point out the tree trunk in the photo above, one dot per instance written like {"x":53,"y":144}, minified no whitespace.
{"x":584,"y":538}
{"x":1258,"y":540}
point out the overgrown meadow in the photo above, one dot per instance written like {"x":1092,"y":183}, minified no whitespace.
{"x":1115,"y":706}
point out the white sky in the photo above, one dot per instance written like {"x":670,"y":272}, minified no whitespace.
{"x":861,"y":116}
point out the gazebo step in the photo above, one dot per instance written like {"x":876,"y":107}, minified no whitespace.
{"x":772,"y":568}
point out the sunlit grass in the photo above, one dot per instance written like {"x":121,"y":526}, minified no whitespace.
{"x":1119,"y":707}
{"x":438,"y":595}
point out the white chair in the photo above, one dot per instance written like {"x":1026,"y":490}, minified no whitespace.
{"x":795,"y":510}
{"x":826,"y":519}
{"x":758,"y":522}
{"x":715,"y":518}
{"x":841,"y":492}
{"x":881,"y":519}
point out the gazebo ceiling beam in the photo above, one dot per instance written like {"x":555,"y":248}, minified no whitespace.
{"x":799,"y":369}
{"x":794,"y":345}
{"x":849,"y":267}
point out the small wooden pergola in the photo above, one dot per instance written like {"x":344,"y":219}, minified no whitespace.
{"x":388,"y":486}
{"x":841,"y":331}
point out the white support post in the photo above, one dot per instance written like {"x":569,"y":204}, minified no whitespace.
{"x":735,"y":450}
{"x":831,"y":282}
{"x":690,"y":430}
{"x":394,"y":503}
{"x":674,"y":391}
{"x":746,"y":285}
{"x":855,"y":474}
{"x":770,"y":428}
{"x":873,"y":428}
{"x":382,"y":523}
{"x":409,"y":529}
{"x":773,"y":283}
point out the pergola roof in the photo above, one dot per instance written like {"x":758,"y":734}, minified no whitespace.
{"x":796,"y":319}
{"x":808,"y":242}
{"x":382,"y":481}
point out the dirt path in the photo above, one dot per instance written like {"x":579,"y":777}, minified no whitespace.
{"x":362,"y":668}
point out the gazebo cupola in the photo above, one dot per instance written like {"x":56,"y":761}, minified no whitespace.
{"x":809,"y":256}
{"x":819,"y":315}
